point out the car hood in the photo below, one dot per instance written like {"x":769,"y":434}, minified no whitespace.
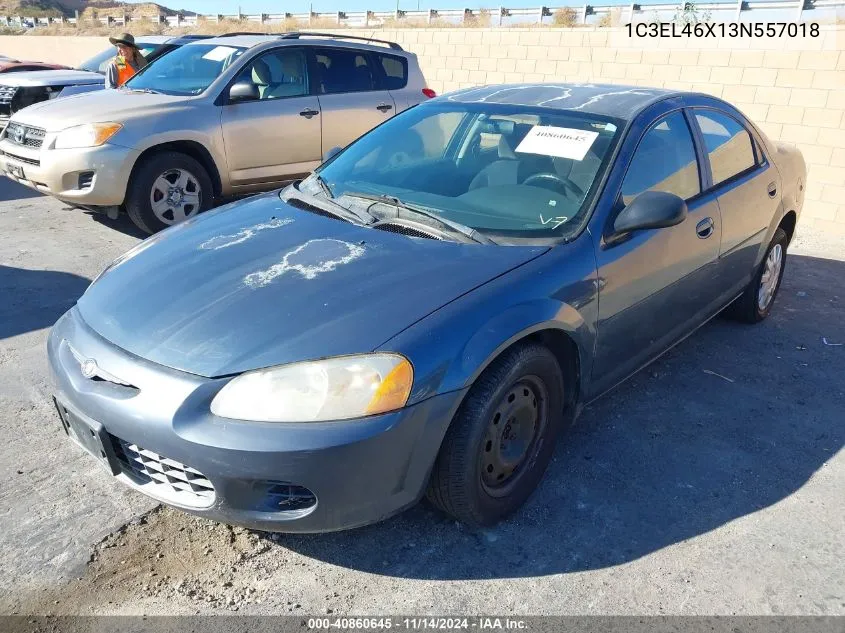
{"x":92,"y":107}
{"x":259,"y":283}
{"x":52,"y":78}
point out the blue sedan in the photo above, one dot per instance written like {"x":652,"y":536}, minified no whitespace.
{"x":428,"y":311}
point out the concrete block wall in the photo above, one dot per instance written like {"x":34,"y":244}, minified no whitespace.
{"x":794,"y":88}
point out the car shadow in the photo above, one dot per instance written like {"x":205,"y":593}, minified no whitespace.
{"x":733,"y":420}
{"x":35,"y":299}
{"x":122,"y":224}
{"x":11,"y":190}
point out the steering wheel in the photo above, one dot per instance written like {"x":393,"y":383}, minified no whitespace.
{"x":554,"y":179}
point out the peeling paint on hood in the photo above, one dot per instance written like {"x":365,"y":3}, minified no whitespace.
{"x":311,"y":288}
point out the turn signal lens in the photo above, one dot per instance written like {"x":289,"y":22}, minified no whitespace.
{"x":394,"y":389}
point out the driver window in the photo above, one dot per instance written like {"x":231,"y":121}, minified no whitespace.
{"x":278,"y":74}
{"x":664,"y":161}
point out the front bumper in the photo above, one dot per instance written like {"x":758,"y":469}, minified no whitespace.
{"x":359,"y":471}
{"x":94,"y":176}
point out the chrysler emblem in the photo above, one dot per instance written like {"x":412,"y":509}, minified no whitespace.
{"x":20,"y":135}
{"x":89,"y":368}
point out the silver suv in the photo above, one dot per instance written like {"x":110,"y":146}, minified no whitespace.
{"x":215,"y":118}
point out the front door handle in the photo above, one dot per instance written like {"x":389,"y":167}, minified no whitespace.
{"x":308,"y":113}
{"x":384,"y":107}
{"x":773,"y":189}
{"x":704,"y":229}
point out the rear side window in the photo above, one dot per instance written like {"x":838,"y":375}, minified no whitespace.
{"x":395,"y":71}
{"x":664,"y":161}
{"x":342,"y":70}
{"x":728,"y":144}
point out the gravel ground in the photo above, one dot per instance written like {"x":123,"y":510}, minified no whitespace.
{"x":682,"y":492}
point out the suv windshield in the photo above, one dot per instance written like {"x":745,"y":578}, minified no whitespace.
{"x":513,"y":173}
{"x":100,"y":62}
{"x":188,"y":70}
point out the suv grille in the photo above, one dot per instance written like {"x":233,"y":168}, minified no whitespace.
{"x":162,"y":477}
{"x":25,"y":135}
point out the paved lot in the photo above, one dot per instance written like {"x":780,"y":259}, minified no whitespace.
{"x":681,"y":492}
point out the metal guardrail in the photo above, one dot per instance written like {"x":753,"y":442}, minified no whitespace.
{"x":536,"y":15}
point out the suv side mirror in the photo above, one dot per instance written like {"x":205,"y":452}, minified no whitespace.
{"x":243,"y":91}
{"x":650,"y":210}
{"x":334,"y":151}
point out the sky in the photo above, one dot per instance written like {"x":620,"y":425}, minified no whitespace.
{"x":301,"y":6}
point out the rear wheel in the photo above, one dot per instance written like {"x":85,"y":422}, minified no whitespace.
{"x":166,"y":189}
{"x":502,"y":438}
{"x":756,"y":301}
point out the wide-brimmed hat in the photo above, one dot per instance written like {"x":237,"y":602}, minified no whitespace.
{"x":124,"y":38}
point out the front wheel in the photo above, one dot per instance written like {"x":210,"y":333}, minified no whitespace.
{"x":502,"y":438}
{"x":756,"y":301}
{"x":166,"y":189}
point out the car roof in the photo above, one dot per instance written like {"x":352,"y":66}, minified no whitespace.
{"x":618,"y":101}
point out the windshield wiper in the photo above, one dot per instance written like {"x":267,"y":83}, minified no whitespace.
{"x":324,"y":186}
{"x":468,"y":232}
{"x":330,"y":206}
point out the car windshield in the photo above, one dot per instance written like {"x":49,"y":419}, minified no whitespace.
{"x":100,"y":62}
{"x":512,"y":173}
{"x":188,"y":70}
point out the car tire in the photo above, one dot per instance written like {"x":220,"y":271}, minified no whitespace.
{"x":756,"y":301}
{"x":467,"y":479}
{"x":175,"y":171}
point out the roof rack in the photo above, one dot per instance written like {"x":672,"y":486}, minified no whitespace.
{"x":294,"y":35}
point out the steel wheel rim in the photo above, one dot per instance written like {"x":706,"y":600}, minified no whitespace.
{"x":771,"y":277}
{"x":514,"y":436}
{"x":175,"y":196}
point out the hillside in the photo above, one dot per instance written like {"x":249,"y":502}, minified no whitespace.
{"x":86,"y":8}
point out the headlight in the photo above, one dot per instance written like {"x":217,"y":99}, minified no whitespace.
{"x":88,"y":135}
{"x":332,"y":389}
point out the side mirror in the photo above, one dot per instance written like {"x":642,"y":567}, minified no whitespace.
{"x":243,"y":91}
{"x":334,"y":151}
{"x":650,"y":210}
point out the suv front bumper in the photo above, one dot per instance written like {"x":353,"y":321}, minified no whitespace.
{"x":93,"y":176}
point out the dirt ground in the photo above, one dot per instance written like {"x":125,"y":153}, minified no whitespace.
{"x":711,"y":483}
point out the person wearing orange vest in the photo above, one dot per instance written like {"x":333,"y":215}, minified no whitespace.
{"x":126,"y":63}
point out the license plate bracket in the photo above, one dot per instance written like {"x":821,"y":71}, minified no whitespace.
{"x":88,"y":434}
{"x":16,"y":171}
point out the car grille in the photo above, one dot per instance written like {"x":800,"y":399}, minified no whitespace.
{"x":24,"y":159}
{"x":163,"y":477}
{"x":25,"y":135}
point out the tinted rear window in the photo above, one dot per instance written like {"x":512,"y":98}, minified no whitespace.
{"x":395,"y":71}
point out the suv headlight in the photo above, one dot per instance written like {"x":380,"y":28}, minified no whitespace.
{"x":316,"y":391}
{"x":88,"y":135}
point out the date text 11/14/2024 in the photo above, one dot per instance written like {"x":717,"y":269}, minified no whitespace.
{"x":722,"y":29}
{"x":417,"y":623}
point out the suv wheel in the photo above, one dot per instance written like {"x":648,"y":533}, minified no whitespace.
{"x":167,"y":188}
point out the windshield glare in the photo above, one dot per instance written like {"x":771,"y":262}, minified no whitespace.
{"x":100,"y":62}
{"x":507,"y":171}
{"x":188,"y":70}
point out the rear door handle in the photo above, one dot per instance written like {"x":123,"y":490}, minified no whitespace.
{"x":704,"y":229}
{"x":773,"y":189}
{"x":384,"y":107}
{"x":308,"y":113}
